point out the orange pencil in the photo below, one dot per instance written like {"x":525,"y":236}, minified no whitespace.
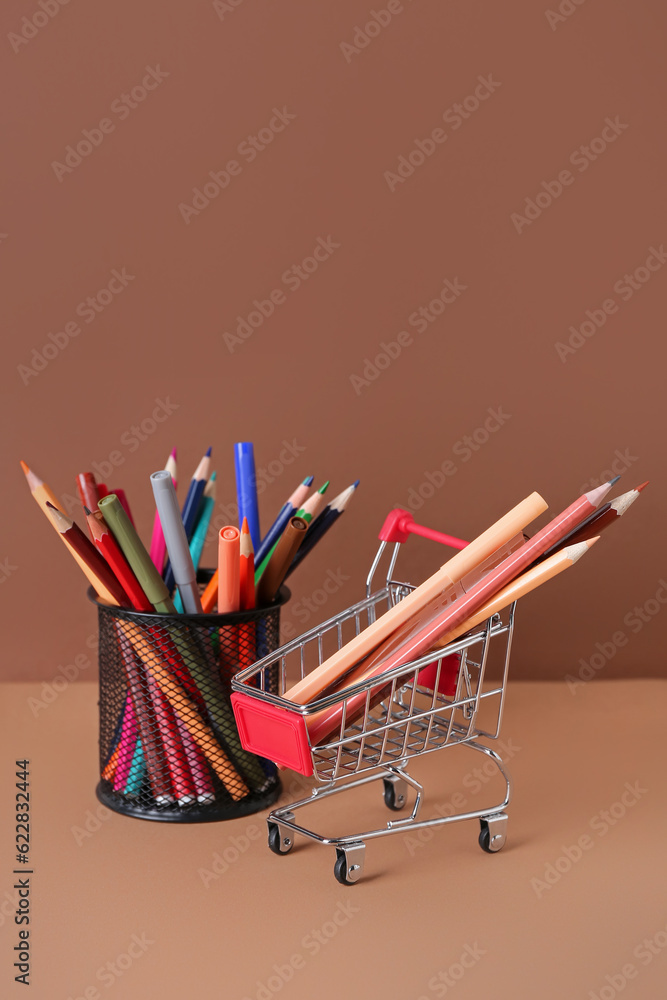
{"x":43,"y":494}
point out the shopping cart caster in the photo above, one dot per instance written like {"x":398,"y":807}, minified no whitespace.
{"x":349,"y":865}
{"x":281,"y":839}
{"x":493,"y":833}
{"x":395,"y":793}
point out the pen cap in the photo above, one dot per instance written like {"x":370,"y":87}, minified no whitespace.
{"x":166,"y":502}
{"x":229,"y":551}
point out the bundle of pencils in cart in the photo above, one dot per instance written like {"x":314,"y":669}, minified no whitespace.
{"x":328,"y":714}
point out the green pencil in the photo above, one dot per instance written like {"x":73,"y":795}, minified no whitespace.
{"x":135,"y":552}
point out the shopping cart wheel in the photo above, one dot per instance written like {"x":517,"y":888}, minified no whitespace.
{"x":281,"y":840}
{"x":349,"y":865}
{"x":493,"y":833}
{"x":395,"y":793}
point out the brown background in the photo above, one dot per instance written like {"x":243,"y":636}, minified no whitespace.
{"x":323,"y":176}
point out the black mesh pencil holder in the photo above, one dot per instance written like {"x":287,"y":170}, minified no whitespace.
{"x":169,"y":747}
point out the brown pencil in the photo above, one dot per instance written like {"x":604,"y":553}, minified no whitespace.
{"x":280,"y":560}
{"x":600,"y":519}
{"x":84,"y":548}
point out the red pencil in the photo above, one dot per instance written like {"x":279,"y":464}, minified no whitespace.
{"x":110,"y":550}
{"x":87,"y":489}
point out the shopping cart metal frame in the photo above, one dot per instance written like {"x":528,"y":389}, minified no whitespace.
{"x":411,"y":718}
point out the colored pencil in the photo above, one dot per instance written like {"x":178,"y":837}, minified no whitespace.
{"x":246,"y":488}
{"x":310,"y":509}
{"x":451,"y":572}
{"x":84,"y":548}
{"x":127,"y":747}
{"x":209,"y":598}
{"x":322,"y":523}
{"x":191,"y":507}
{"x":198,"y":729}
{"x":86,"y":487}
{"x":158,"y":549}
{"x":177,"y":543}
{"x":181,"y":777}
{"x":421,"y":632}
{"x":109,"y":549}
{"x":198,"y":539}
{"x":42,"y":494}
{"x":151,"y":744}
{"x":286,"y":513}
{"x":133,"y":549}
{"x":137,"y":773}
{"x":246,"y":638}
{"x":608,"y":513}
{"x":280,"y":561}
{"x":320,"y":724}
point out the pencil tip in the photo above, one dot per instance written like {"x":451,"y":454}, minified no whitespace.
{"x":356,"y":483}
{"x":244,"y":527}
{"x":639,"y":488}
{"x":26,"y":468}
{"x":324,"y":488}
{"x":208,"y":452}
{"x":308,"y":481}
{"x":612,"y":482}
{"x":86,"y":510}
{"x":51,"y":505}
{"x":172,"y":453}
{"x":591,"y":541}
{"x":214,"y":475}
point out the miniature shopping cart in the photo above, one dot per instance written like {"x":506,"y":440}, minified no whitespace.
{"x":429,"y":704}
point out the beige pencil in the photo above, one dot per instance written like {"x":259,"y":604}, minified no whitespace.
{"x":523,"y":584}
{"x":449,"y":574}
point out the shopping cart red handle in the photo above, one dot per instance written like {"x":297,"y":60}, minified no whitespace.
{"x":400,"y":523}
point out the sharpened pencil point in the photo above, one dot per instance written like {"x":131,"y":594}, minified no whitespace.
{"x":86,"y":510}
{"x":244,"y":527}
{"x":26,"y":468}
{"x":612,"y":482}
{"x":324,"y":488}
{"x":639,"y":488}
{"x":208,"y":452}
{"x":308,"y":481}
{"x":52,"y":506}
{"x":172,"y":453}
{"x":591,"y":541}
{"x":356,"y":483}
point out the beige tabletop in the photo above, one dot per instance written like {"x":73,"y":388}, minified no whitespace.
{"x":573,"y":906}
